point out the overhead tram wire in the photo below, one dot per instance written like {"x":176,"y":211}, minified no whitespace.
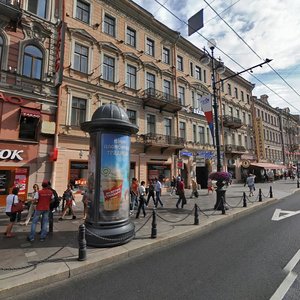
{"x":228,"y":56}
{"x":252,"y":50}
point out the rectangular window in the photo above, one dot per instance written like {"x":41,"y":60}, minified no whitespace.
{"x":182,"y":130}
{"x":78,"y":113}
{"x":240,"y":140}
{"x":37,"y":7}
{"x":167,"y":88}
{"x":242,"y":96}
{"x":131,"y":37}
{"x":198,"y":73}
{"x":179,"y":63}
{"x":181,"y":95}
{"x":83,"y":11}
{"x":236,"y":93}
{"x":191,"y":69}
{"x":151,"y":124}
{"x":231,"y":111}
{"x":132,"y":116}
{"x":246,"y":141}
{"x":201,"y":133}
{"x":204,"y":76}
{"x":166,"y":55}
{"x":229,"y":89}
{"x":150,"y":47}
{"x":168,"y":127}
{"x":233,"y":139}
{"x":150,"y":81}
{"x":244,"y":117}
{"x":194,"y":133}
{"x":237,"y":113}
{"x":28,"y":128}
{"x":193,"y":99}
{"x":81,"y":58}
{"x":248,"y":99}
{"x":109,"y":68}
{"x":110,"y":25}
{"x":131,"y":77}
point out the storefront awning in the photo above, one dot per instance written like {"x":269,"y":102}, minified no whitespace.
{"x":30,"y":112}
{"x":267,"y":166}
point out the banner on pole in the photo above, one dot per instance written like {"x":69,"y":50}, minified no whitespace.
{"x":206,"y":105}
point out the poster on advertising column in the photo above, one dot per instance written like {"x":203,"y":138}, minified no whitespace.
{"x":114,"y":176}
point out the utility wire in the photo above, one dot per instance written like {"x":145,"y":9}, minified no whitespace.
{"x":175,"y":16}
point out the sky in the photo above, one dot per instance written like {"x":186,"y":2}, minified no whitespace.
{"x":246,"y":32}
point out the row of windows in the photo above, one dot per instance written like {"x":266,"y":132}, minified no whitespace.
{"x":267,"y":117}
{"x":272,"y":136}
{"x":228,"y":110}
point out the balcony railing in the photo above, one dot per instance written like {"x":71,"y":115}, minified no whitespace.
{"x":162,"y":101}
{"x":164,"y":140}
{"x":232,"y":122}
{"x":11,"y":9}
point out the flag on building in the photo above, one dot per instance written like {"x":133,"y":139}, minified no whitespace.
{"x":206,"y":105}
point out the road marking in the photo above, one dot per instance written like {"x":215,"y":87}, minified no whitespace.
{"x":284,"y":287}
{"x":286,"y":214}
{"x":292,"y":263}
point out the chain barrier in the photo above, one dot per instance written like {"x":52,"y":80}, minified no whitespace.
{"x":235,"y":206}
{"x":144,"y":224}
{"x":168,"y":221}
{"x":33,"y":265}
{"x":124,"y":238}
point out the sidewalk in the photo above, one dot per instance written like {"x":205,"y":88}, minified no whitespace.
{"x":59,"y":252}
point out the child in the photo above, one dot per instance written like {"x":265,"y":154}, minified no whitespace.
{"x":210,"y":186}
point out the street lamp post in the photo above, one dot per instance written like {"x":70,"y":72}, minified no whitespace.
{"x":212,"y":45}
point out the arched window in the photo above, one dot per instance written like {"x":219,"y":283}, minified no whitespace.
{"x":1,"y":49}
{"x":33,"y":62}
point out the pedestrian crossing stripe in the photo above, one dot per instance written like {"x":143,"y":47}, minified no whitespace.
{"x":280,"y":214}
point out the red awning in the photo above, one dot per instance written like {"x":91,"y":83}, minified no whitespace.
{"x":30,"y":112}
{"x":267,"y":166}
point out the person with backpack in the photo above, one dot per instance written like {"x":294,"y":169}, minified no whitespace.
{"x":31,"y":204}
{"x":69,"y":198}
{"x":142,"y":193}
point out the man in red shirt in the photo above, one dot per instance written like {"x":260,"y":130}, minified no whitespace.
{"x":43,"y":199}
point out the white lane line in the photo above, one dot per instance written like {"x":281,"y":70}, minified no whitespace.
{"x":292,"y":263}
{"x":284,"y":287}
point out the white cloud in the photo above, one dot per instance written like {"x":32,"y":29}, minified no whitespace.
{"x":270,"y":27}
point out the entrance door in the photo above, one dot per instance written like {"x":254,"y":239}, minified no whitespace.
{"x":202,"y":176}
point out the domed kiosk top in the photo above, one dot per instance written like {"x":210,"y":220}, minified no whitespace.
{"x":109,"y":116}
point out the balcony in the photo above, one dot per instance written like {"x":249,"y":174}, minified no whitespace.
{"x":163,"y":142}
{"x":162,"y":101}
{"x":235,"y":149}
{"x":10,"y":9}
{"x":232,"y":122}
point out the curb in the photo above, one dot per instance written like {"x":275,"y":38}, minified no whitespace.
{"x":42,"y":275}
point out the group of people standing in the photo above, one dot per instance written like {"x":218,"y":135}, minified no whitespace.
{"x":42,"y":204}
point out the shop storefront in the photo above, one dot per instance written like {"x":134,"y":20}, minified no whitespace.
{"x":78,"y":174}
{"x":162,"y":171}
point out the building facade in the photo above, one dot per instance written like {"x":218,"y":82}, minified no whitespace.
{"x":27,"y":93}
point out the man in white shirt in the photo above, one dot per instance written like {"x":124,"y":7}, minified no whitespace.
{"x":158,"y":193}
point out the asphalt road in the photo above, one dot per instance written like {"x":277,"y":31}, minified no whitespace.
{"x":244,"y":259}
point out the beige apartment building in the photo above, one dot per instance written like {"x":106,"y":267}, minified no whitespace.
{"x":115,"y":51}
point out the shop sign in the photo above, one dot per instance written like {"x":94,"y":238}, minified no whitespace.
{"x":180,"y":164}
{"x":200,"y":161}
{"x":198,"y":111}
{"x":12,"y":99}
{"x":11,"y":154}
{"x":185,"y":153}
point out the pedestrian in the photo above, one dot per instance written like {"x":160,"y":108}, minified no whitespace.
{"x":43,"y":199}
{"x":150,"y":192}
{"x":173,"y":186}
{"x":69,"y":198}
{"x":31,"y":204}
{"x":181,"y":194}
{"x":210,"y":186}
{"x":10,"y":199}
{"x":158,"y":193}
{"x":134,"y":194}
{"x":54,"y":204}
{"x":85,"y":203}
{"x":142,"y":192}
{"x":251,"y":184}
{"x":194,"y":188}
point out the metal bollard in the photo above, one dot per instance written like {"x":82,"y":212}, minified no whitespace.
{"x":244,"y":200}
{"x":271,"y":192}
{"x":259,"y":196}
{"x":82,"y":243}
{"x":196,"y":219}
{"x":153,"y":228}
{"x":298,"y":184}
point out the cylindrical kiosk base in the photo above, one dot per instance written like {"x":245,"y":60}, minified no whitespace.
{"x":109,"y":234}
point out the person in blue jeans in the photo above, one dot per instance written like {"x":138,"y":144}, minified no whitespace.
{"x":158,"y":193}
{"x":43,"y":198}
